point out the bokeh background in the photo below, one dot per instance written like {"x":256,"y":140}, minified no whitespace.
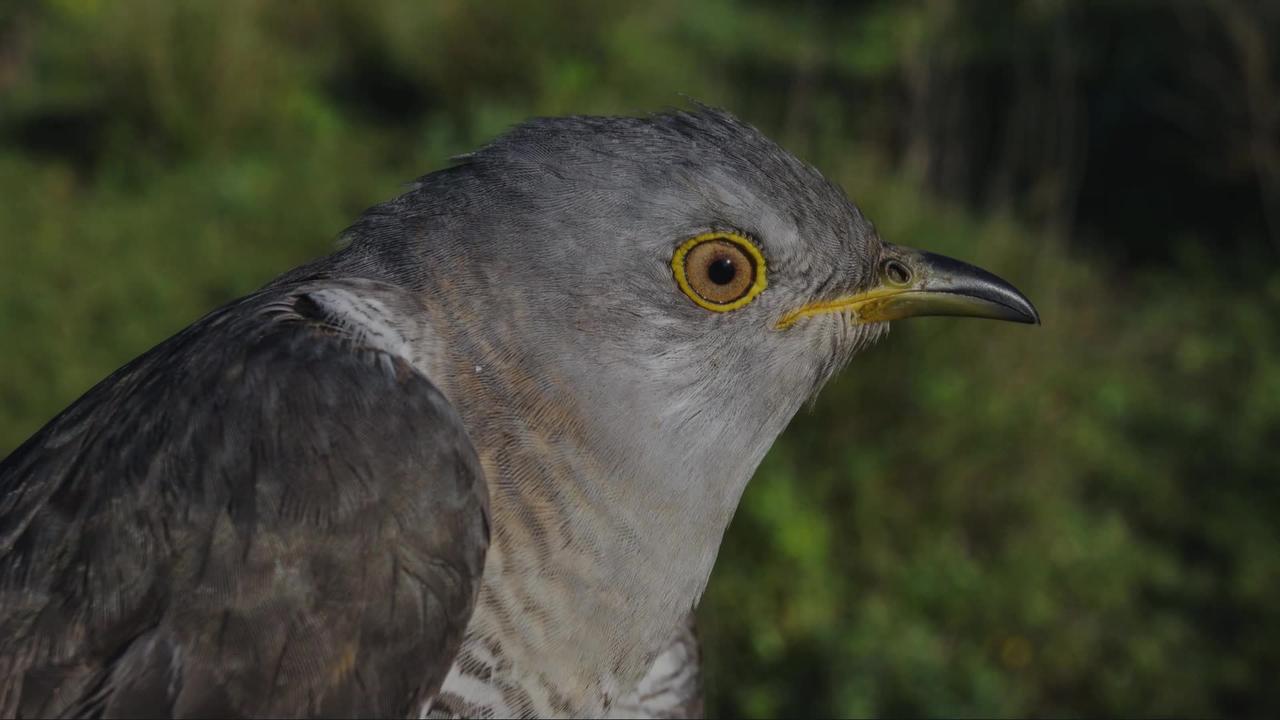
{"x":976,"y":519}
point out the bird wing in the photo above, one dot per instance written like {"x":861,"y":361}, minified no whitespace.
{"x":272,"y":513}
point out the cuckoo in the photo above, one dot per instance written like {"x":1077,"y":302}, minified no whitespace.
{"x":476,"y":462}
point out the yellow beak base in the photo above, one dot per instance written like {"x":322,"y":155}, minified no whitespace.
{"x":914,"y":283}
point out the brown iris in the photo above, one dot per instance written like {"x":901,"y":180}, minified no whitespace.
{"x":719,"y":271}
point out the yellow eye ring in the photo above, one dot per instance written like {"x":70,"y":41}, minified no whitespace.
{"x":719,"y":271}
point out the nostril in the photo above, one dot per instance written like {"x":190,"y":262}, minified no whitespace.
{"x":896,"y":272}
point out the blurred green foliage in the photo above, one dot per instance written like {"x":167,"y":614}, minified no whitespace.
{"x":974,"y":519}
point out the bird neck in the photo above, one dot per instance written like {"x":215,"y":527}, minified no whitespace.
{"x":610,"y":490}
{"x":607,"y":516}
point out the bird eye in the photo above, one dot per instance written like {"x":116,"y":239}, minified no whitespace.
{"x":719,"y":271}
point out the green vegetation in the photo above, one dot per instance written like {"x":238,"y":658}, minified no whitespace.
{"x":974,"y":519}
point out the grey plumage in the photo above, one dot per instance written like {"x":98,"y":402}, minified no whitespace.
{"x":285,"y":509}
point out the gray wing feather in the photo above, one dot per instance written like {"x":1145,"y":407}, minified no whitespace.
{"x":262,"y":516}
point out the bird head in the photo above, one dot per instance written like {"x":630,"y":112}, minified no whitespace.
{"x":675,"y":287}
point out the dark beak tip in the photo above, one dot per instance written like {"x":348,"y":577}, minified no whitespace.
{"x":995,"y":289}
{"x":1030,"y":315}
{"x":1011,"y":303}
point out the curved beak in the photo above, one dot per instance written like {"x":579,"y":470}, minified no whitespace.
{"x":912,"y":283}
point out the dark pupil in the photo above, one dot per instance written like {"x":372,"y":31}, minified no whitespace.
{"x":721,"y":271}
